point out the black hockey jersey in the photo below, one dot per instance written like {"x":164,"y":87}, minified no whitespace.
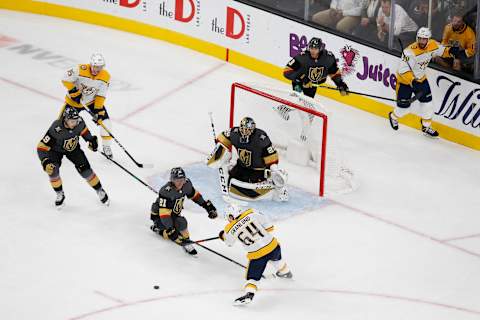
{"x":307,"y":70}
{"x":258,"y":153}
{"x":63,"y":140}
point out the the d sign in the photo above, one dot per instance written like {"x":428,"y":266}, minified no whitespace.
{"x":179,"y":14}
{"x":231,"y":14}
{"x":128,"y":4}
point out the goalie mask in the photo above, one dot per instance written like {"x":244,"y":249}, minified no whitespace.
{"x":247,"y":128}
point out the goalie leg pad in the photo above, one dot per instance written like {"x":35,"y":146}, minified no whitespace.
{"x":250,"y":191}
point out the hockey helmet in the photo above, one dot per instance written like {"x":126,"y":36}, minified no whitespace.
{"x":177,"y":173}
{"x":247,"y":127}
{"x":97,"y":60}
{"x":70,"y":114}
{"x":316,"y":43}
{"x":424,"y":32}
{"x":232,"y":211}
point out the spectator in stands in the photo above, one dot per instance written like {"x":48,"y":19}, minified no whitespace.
{"x":367,"y":29}
{"x":470,"y":18}
{"x":418,"y":10}
{"x":458,"y":34}
{"x":404,"y":27}
{"x":343,"y":15}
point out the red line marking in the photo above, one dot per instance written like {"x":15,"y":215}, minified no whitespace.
{"x":110,"y":297}
{"x":405,"y":228}
{"x":172,"y":91}
{"x":464,"y":237}
{"x":305,"y":290}
{"x":31,"y":89}
{"x":364,"y":213}
{"x":160,"y":137}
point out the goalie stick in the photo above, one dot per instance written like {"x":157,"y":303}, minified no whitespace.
{"x":223,"y":170}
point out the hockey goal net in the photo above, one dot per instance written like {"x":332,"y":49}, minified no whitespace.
{"x":299,"y":128}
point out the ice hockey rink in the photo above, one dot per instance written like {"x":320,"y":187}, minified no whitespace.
{"x":404,"y":245}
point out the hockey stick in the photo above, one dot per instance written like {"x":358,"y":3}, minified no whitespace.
{"x":203,"y":240}
{"x":222,"y":175}
{"x":221,"y":255}
{"x":414,"y":98}
{"x":140,"y":165}
{"x":131,"y":174}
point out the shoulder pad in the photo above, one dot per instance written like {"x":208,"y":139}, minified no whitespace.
{"x":104,"y":76}
{"x":83,"y":67}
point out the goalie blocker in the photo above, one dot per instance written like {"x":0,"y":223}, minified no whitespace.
{"x":255,"y":175}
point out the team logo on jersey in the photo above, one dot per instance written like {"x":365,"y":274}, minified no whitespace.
{"x":70,"y":144}
{"x":245,"y":156}
{"x":316,"y":74}
{"x":178,"y":207}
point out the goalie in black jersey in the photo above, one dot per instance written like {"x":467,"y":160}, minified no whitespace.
{"x":256,"y":174}
{"x":310,"y":68}
{"x":166,"y":210}
{"x":62,"y":139}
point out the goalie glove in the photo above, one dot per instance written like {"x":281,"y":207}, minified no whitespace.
{"x":277,"y":176}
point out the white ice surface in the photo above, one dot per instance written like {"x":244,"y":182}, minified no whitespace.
{"x":405,"y":245}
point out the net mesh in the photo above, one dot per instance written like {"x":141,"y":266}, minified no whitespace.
{"x":299,"y":128}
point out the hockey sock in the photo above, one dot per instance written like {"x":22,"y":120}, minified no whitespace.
{"x":56,"y":183}
{"x":251,"y":286}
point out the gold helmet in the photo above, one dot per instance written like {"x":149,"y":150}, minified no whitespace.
{"x":247,"y":127}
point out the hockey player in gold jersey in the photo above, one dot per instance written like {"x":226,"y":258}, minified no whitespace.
{"x":412,"y":78}
{"x":87,"y":86}
{"x":253,"y":230}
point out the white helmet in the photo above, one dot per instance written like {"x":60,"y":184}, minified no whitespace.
{"x":97,"y":60}
{"x":232,"y":211}
{"x":424,"y":32}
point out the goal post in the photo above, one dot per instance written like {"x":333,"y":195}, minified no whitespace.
{"x":271,"y":99}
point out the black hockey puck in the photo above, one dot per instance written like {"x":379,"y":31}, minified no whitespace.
{"x":156,"y":287}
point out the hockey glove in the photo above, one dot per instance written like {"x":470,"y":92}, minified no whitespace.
{"x":75,"y":94}
{"x":342,"y":87}
{"x":171,"y":234}
{"x":221,"y":235}
{"x":93,"y":144}
{"x":210,"y":208}
{"x":48,"y":166}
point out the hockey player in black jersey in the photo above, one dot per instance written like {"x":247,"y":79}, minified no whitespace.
{"x":256,"y":174}
{"x":310,"y":68}
{"x":62,"y":139}
{"x":166,"y":210}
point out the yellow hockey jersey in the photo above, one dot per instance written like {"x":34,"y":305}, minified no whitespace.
{"x":464,"y":38}
{"x":93,"y":88}
{"x":417,"y":59}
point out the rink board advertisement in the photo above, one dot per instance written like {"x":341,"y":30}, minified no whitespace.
{"x":265,"y":43}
